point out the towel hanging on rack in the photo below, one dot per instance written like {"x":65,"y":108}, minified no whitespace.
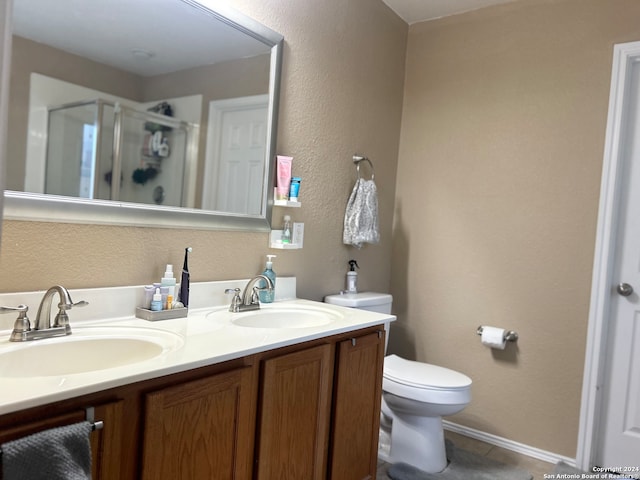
{"x":62,"y":453}
{"x":361,"y":215}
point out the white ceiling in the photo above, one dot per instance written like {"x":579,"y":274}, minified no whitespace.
{"x":412,"y":11}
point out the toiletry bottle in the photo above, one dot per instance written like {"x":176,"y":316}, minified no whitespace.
{"x":294,"y":189}
{"x":164,"y":295}
{"x":352,"y":277}
{"x":149,"y":290}
{"x":156,"y":303}
{"x":168,"y":280}
{"x":286,"y":230}
{"x":267,"y":296}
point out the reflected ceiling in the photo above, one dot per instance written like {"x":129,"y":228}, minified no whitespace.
{"x":145,"y":48}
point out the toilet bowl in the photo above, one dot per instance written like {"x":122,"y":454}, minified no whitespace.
{"x":415,"y":397}
{"x":418,"y":395}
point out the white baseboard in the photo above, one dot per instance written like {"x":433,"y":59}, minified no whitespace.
{"x":505,"y":443}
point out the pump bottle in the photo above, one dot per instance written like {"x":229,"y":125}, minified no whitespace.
{"x":352,"y":277}
{"x":267,"y":296}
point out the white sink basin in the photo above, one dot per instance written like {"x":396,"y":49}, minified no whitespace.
{"x":294,"y":316}
{"x":87,"y":349}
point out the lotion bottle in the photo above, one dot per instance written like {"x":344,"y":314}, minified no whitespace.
{"x":267,"y":296}
{"x":156,"y":303}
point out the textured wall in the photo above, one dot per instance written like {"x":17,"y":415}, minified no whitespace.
{"x":342,"y":92}
{"x":502,"y":139}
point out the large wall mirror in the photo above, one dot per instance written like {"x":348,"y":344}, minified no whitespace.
{"x":141,"y":112}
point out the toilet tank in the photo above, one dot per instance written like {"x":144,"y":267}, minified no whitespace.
{"x":372,"y":301}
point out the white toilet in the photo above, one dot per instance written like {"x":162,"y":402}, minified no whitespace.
{"x":415,"y":396}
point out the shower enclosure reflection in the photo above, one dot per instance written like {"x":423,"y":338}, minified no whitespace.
{"x":80,"y":139}
{"x":88,"y":144}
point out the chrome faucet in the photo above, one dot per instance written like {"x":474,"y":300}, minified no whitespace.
{"x":250,"y":299}
{"x":43,"y":327}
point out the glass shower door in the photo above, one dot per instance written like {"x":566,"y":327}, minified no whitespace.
{"x":79,"y":151}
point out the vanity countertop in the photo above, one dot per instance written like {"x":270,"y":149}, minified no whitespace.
{"x":203,"y":339}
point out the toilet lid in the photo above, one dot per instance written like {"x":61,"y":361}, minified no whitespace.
{"x":423,"y":375}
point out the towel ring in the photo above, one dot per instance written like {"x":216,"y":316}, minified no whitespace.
{"x":357,"y":159}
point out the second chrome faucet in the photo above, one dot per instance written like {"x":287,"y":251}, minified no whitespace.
{"x":250,"y":299}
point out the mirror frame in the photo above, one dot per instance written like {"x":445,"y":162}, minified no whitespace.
{"x":51,"y":208}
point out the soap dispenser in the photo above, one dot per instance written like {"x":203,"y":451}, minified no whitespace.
{"x":352,"y":277}
{"x":267,"y":296}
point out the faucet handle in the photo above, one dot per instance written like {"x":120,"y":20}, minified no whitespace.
{"x":20,"y":308}
{"x":62,"y":319}
{"x":255,"y":297}
{"x":70,"y":304}
{"x":236,"y":301}
{"x":22,"y":324}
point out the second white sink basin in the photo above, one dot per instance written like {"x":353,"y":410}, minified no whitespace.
{"x":268,"y":316}
{"x":87,"y":349}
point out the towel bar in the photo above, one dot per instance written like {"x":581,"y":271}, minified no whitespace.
{"x":95,"y":425}
{"x":509,"y":336}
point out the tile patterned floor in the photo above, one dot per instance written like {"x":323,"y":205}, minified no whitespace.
{"x":537,"y":468}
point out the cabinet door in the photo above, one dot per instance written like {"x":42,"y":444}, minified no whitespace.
{"x":109,"y":461}
{"x":294,"y":419}
{"x":356,"y":415}
{"x":202,"y":429}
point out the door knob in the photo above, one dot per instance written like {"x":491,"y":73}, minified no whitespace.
{"x":624,"y":289}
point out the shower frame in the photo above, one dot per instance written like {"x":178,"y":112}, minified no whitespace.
{"x":191,"y":148}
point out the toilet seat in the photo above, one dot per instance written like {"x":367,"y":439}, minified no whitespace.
{"x":424,"y":382}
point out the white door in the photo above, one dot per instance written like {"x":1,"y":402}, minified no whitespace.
{"x":236,"y":153}
{"x":618,"y":444}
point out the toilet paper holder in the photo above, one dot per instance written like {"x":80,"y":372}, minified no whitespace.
{"x":509,"y":335}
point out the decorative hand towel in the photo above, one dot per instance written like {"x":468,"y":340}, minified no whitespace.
{"x":361,"y":215}
{"x":62,"y":453}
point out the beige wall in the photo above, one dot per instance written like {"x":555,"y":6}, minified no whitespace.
{"x":499,"y":169}
{"x":342,"y":93}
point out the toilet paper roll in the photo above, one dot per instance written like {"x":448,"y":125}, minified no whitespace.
{"x":493,"y":337}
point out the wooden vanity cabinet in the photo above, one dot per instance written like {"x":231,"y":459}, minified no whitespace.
{"x":307,"y":411}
